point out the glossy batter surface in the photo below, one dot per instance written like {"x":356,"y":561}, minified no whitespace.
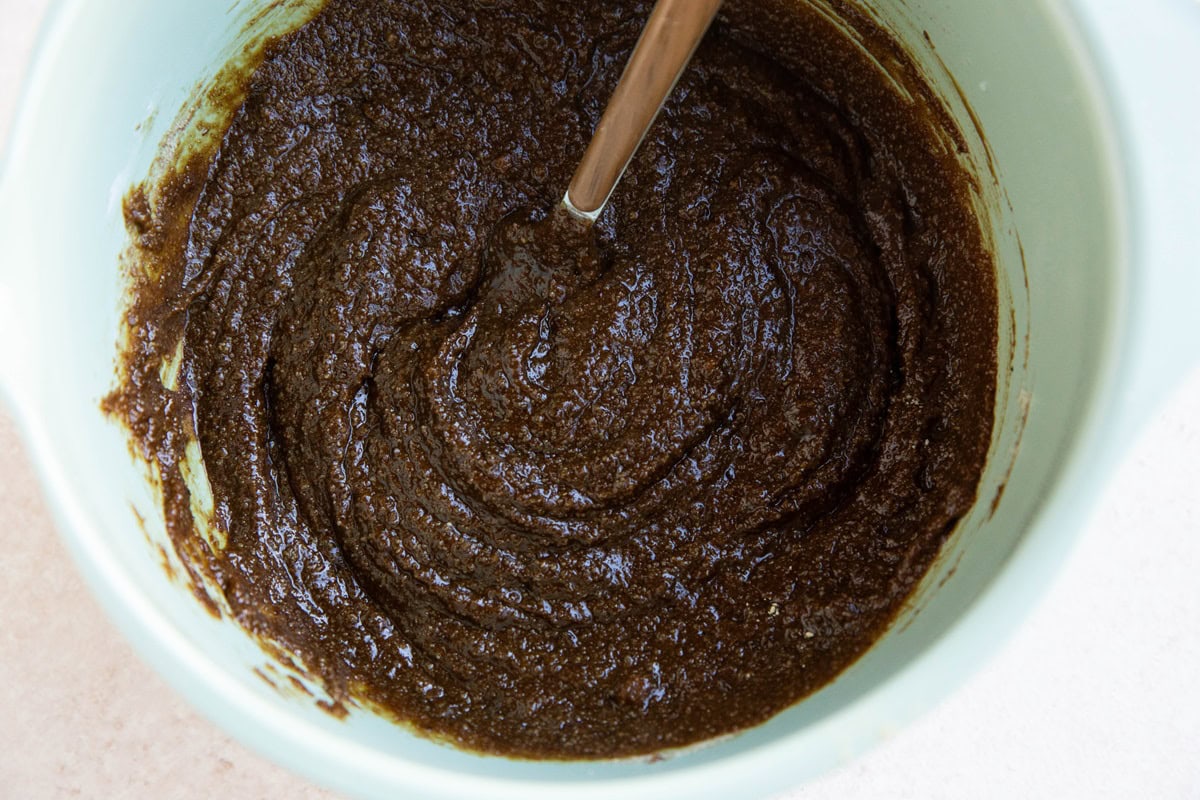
{"x":567,"y":497}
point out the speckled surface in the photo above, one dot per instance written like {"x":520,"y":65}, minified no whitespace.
{"x":1095,"y":696}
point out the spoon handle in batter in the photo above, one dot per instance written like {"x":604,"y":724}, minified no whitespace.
{"x":668,"y":41}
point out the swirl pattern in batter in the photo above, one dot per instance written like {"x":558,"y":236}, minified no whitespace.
{"x":564,"y":497}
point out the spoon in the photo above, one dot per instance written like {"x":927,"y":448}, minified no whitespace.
{"x":536,"y":258}
{"x":667,"y":44}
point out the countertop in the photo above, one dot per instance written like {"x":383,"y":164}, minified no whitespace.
{"x":1096,"y":696}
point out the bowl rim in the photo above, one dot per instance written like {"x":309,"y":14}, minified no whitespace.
{"x":978,"y":632}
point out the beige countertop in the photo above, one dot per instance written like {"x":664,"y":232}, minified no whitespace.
{"x":1095,"y":697}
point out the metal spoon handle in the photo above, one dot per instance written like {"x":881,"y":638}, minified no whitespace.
{"x":668,"y":41}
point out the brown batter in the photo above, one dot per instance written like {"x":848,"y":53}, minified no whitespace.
{"x":543,"y":501}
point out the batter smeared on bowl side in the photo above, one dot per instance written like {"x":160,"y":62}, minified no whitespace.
{"x":552,"y":511}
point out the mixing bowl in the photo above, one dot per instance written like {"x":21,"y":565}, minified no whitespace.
{"x":1077,"y":119}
